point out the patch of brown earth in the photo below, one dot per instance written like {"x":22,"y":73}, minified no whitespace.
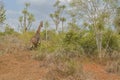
{"x":20,"y":67}
{"x":99,"y":72}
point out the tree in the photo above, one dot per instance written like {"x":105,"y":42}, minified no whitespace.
{"x":46,"y":28}
{"x":8,"y":30}
{"x":27,"y":19}
{"x":117,"y":20}
{"x":95,"y":14}
{"x":2,"y":12}
{"x":56,"y":16}
{"x":73,"y":21}
{"x":63,"y":19}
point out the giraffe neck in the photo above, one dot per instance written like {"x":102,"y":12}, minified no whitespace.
{"x":38,"y":30}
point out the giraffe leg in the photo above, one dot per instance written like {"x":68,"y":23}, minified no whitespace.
{"x":39,"y":43}
{"x":31,"y":46}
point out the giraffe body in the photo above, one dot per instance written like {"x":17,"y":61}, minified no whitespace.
{"x":35,"y":40}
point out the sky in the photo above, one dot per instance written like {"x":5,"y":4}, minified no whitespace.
{"x":40,"y":8}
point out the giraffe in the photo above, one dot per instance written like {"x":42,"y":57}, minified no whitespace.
{"x":35,"y":40}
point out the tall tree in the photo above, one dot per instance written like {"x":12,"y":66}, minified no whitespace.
{"x":46,"y":29}
{"x":27,"y":19}
{"x":117,"y":20}
{"x":56,"y":16}
{"x":63,"y":19}
{"x":96,"y":13}
{"x":2,"y":12}
{"x":73,"y":20}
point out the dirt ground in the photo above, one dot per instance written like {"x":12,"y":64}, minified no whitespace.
{"x":99,"y":72}
{"x":21,"y":66}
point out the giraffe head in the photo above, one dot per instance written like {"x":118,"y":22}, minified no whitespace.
{"x":39,"y":28}
{"x":41,"y":24}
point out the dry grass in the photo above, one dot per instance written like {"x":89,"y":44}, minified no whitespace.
{"x":112,"y":62}
{"x":58,"y":65}
{"x":113,"y":67}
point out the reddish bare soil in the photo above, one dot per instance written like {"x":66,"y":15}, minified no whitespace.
{"x":21,"y":66}
{"x":99,"y":72}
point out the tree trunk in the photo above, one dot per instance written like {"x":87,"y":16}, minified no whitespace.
{"x":99,"y":43}
{"x":62,"y":26}
{"x":25,"y":27}
{"x":46,"y":33}
{"x":56,"y":28}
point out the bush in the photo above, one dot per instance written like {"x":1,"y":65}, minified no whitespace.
{"x":9,"y":31}
{"x":71,"y":42}
{"x":40,"y":56}
{"x":26,"y":36}
{"x":113,"y":67}
{"x":111,"y":41}
{"x":80,"y":42}
{"x":53,"y":42}
{"x":2,"y":34}
{"x":88,"y":43}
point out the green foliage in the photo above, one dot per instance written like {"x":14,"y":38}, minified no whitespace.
{"x":80,"y":42}
{"x":53,"y":42}
{"x":9,"y":30}
{"x":26,"y":36}
{"x":2,"y":12}
{"x":111,"y":41}
{"x":116,"y":20}
{"x":1,"y":34}
{"x":51,"y":35}
{"x":88,"y":43}
{"x":71,"y":43}
{"x":71,"y":38}
{"x":27,"y":19}
{"x":56,"y":16}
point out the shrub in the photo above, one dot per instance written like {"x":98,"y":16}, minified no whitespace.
{"x":2,"y":34}
{"x":40,"y":56}
{"x":113,"y":67}
{"x":88,"y":43}
{"x":53,"y":42}
{"x":26,"y":36}
{"x":80,"y":42}
{"x":111,"y":41}
{"x":71,"y":42}
{"x":9,"y":30}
